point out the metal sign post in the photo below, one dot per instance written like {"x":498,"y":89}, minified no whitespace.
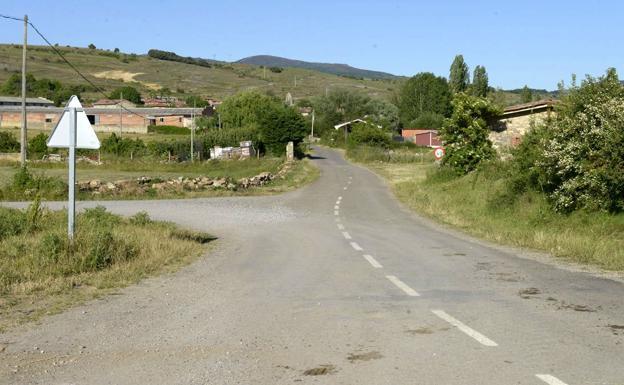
{"x":71,"y":202}
{"x":73,"y":131}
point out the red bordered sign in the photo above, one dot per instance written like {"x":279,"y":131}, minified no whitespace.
{"x":439,"y":153}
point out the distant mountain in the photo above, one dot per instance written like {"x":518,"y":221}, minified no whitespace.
{"x":334,"y":69}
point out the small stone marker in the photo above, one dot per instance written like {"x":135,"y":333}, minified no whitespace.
{"x":290,"y":151}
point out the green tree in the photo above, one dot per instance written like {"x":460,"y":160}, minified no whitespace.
{"x":279,"y":125}
{"x":116,"y":50}
{"x":480,"y":84}
{"x":8,"y":143}
{"x":382,"y":113}
{"x":91,"y":46}
{"x":369,"y":134}
{"x":246,"y":109}
{"x":38,"y":146}
{"x":459,"y":76}
{"x":424,"y":94}
{"x":197,"y":101}
{"x":465,"y":133}
{"x":526,"y":95}
{"x":582,"y":161}
{"x":338,"y":106}
{"x":129,"y":93}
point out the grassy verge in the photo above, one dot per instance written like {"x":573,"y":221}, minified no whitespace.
{"x":41,"y":273}
{"x":49,"y":180}
{"x":479,"y":205}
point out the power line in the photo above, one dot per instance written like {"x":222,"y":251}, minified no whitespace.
{"x":98,"y":89}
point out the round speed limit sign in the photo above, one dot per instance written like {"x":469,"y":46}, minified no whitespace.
{"x":439,"y":153}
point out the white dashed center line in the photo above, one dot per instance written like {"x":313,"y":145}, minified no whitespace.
{"x":356,"y":246}
{"x":551,"y":380}
{"x":336,"y":212}
{"x":372,"y":261}
{"x":483,"y":340}
{"x":336,"y":207}
{"x":339,"y":198}
{"x":401,"y":285}
{"x":345,"y":187}
{"x":346,"y":235}
{"x":341,"y":226}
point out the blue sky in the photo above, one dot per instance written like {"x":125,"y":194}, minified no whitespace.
{"x":529,"y":42}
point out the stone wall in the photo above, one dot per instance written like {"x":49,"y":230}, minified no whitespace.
{"x":508,"y":132}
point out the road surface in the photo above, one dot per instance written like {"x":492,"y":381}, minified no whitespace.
{"x":335,"y":283}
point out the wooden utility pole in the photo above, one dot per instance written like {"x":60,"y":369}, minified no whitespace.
{"x":193,"y":131}
{"x":24,"y":136}
{"x":120,"y":116}
{"x":312,"y":133}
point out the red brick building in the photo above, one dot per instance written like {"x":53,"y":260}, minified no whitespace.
{"x":422,"y":137}
{"x":103,"y":119}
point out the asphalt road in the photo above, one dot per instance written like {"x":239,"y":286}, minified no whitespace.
{"x":335,"y":283}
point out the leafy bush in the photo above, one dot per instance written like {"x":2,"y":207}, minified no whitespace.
{"x":12,"y":222}
{"x":129,"y":93}
{"x":465,"y":133}
{"x":280,"y":125}
{"x":276,"y":70}
{"x":119,"y":146}
{"x":23,"y":182}
{"x":8,"y":143}
{"x":141,"y":218}
{"x":583,"y":161}
{"x":168,"y":130}
{"x":428,"y":119}
{"x":37,"y":146}
{"x":369,"y":134}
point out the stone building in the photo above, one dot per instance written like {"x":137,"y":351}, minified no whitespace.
{"x":517,"y":120}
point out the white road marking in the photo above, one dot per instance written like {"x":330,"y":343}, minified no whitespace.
{"x":340,"y":198}
{"x":356,"y":246}
{"x":483,"y":340}
{"x":346,"y":235}
{"x":340,"y":226}
{"x":372,"y":261}
{"x":338,"y":202}
{"x":336,"y":207}
{"x":336,"y":212}
{"x":401,"y":285}
{"x":345,"y":187}
{"x":551,"y":380}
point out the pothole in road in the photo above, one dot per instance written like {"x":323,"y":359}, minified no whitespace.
{"x":616,"y":329}
{"x":529,"y":292}
{"x":374,"y":355}
{"x":320,"y":370}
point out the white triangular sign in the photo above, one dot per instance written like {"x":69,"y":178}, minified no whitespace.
{"x":85,"y":135}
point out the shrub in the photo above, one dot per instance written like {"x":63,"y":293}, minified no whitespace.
{"x":168,"y":130}
{"x":119,"y":146}
{"x":38,"y":145}
{"x":279,"y":126}
{"x":583,"y":162}
{"x":141,"y":218}
{"x":465,"y":133}
{"x":369,"y":134}
{"x":12,"y":222}
{"x":8,"y":143}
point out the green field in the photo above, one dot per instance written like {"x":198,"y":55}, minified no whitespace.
{"x":147,"y":74}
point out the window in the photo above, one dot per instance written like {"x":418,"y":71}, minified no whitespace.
{"x":180,"y":120}
{"x":162,"y":120}
{"x":48,"y":120}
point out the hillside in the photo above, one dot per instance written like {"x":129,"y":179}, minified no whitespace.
{"x":329,"y":68}
{"x":110,"y":70}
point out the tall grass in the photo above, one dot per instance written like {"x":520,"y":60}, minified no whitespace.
{"x":41,"y":271}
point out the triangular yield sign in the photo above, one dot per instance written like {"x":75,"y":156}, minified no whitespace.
{"x":85,"y":135}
